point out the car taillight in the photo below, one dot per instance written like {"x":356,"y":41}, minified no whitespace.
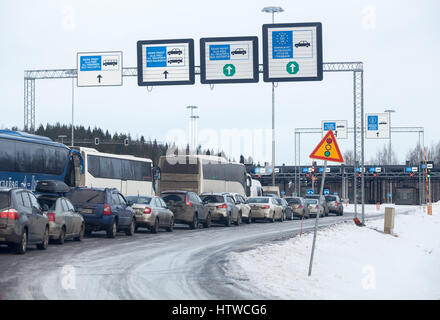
{"x":336,"y":203}
{"x":300,"y":206}
{"x":222,"y":206}
{"x":147,"y":210}
{"x":51,"y":216}
{"x":10,"y":214}
{"x":188,"y":203}
{"x":107,"y":210}
{"x":316,"y":207}
{"x":265,"y":207}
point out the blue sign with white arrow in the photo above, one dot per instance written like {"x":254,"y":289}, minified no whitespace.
{"x":310,"y":191}
{"x":326,"y":192}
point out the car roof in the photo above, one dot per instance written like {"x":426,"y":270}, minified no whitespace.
{"x":175,"y":191}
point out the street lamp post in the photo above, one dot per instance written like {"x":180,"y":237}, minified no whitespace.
{"x":273,"y":10}
{"x":389,"y":152}
{"x":191,"y":125}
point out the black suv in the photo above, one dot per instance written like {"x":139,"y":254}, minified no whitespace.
{"x":104,"y":209}
{"x":187,"y":207}
{"x":22,"y":221}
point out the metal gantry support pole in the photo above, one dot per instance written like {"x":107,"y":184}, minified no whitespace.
{"x":29,"y":105}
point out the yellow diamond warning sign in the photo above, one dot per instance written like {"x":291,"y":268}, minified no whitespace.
{"x":327,"y":149}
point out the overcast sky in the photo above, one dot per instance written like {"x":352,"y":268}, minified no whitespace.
{"x":398,"y":41}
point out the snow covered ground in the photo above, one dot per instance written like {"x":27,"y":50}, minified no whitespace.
{"x":350,"y":262}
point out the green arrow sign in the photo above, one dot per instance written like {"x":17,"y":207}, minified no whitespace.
{"x":229,"y":70}
{"x":292,"y":67}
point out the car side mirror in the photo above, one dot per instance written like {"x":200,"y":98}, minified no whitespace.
{"x":130,"y":203}
{"x":45,"y":207}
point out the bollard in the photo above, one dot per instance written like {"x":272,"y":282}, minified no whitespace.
{"x":389,"y":220}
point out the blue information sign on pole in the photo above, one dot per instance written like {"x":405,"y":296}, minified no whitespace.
{"x":329,"y":126}
{"x":326,"y":192}
{"x":219,"y":52}
{"x":310,"y":191}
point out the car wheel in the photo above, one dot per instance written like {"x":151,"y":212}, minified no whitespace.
{"x":130,"y":230}
{"x":155,"y":227}
{"x":195,"y":223}
{"x":20,"y":248}
{"x":111,"y":231}
{"x":238,"y":222}
{"x":43,"y":245}
{"x":207,"y":223}
{"x":228,"y":221}
{"x":171,"y":227}
{"x":88,"y":233}
{"x":80,"y":234}
{"x":62,"y":236}
{"x":249,"y":220}
{"x":272,"y":220}
{"x":282,"y":217}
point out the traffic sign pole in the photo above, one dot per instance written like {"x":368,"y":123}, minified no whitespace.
{"x":317,"y":220}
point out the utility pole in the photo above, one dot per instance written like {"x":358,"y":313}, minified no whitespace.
{"x":273,"y":10}
{"x":390,"y":153}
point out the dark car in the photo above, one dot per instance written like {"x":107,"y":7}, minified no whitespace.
{"x":175,"y":51}
{"x":335,"y":205}
{"x":175,"y":60}
{"x":322,"y":201}
{"x":287,"y":210}
{"x":22,"y":221}
{"x":222,"y":208}
{"x":104,"y":209}
{"x":238,"y":51}
{"x":187,"y":207}
{"x":302,"y":43}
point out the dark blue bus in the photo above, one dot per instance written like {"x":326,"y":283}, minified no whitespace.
{"x":27,"y":158}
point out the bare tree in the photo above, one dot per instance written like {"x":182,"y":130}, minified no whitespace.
{"x":349,"y":157}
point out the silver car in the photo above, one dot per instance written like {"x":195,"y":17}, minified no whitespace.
{"x":152,"y":213}
{"x":299,"y":207}
{"x":315,"y":207}
{"x":266,"y":208}
{"x":222,"y":207}
{"x":335,"y":205}
{"x":64,"y":221}
{"x":245,"y":209}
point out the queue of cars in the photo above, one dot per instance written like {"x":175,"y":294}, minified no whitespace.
{"x":55,"y":212}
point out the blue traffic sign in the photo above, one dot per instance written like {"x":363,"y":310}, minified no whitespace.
{"x":329,"y":126}
{"x":219,"y":52}
{"x":156,"y":57}
{"x":373,"y":123}
{"x":282,"y":44}
{"x":335,"y":193}
{"x":326,"y":192}
{"x":283,"y":192}
{"x":310,"y":191}
{"x":90,"y":63}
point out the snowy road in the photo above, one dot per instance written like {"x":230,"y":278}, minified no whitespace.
{"x":185,"y":264}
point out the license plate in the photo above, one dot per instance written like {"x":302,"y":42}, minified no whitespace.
{"x":86,"y":211}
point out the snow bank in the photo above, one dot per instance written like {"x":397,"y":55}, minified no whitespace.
{"x":350,"y":262}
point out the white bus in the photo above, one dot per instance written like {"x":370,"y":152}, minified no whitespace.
{"x":129,"y":174}
{"x":202,"y":173}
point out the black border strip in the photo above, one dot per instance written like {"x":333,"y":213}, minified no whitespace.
{"x":318,"y":26}
{"x":190,"y":43}
{"x":255,"y":54}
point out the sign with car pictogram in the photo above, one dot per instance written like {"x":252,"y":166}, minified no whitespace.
{"x":229,"y":60}
{"x":97,"y":69}
{"x":292,"y":52}
{"x":165,"y":62}
{"x":339,"y":128}
{"x":327,"y":149}
{"x":377,"y":126}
